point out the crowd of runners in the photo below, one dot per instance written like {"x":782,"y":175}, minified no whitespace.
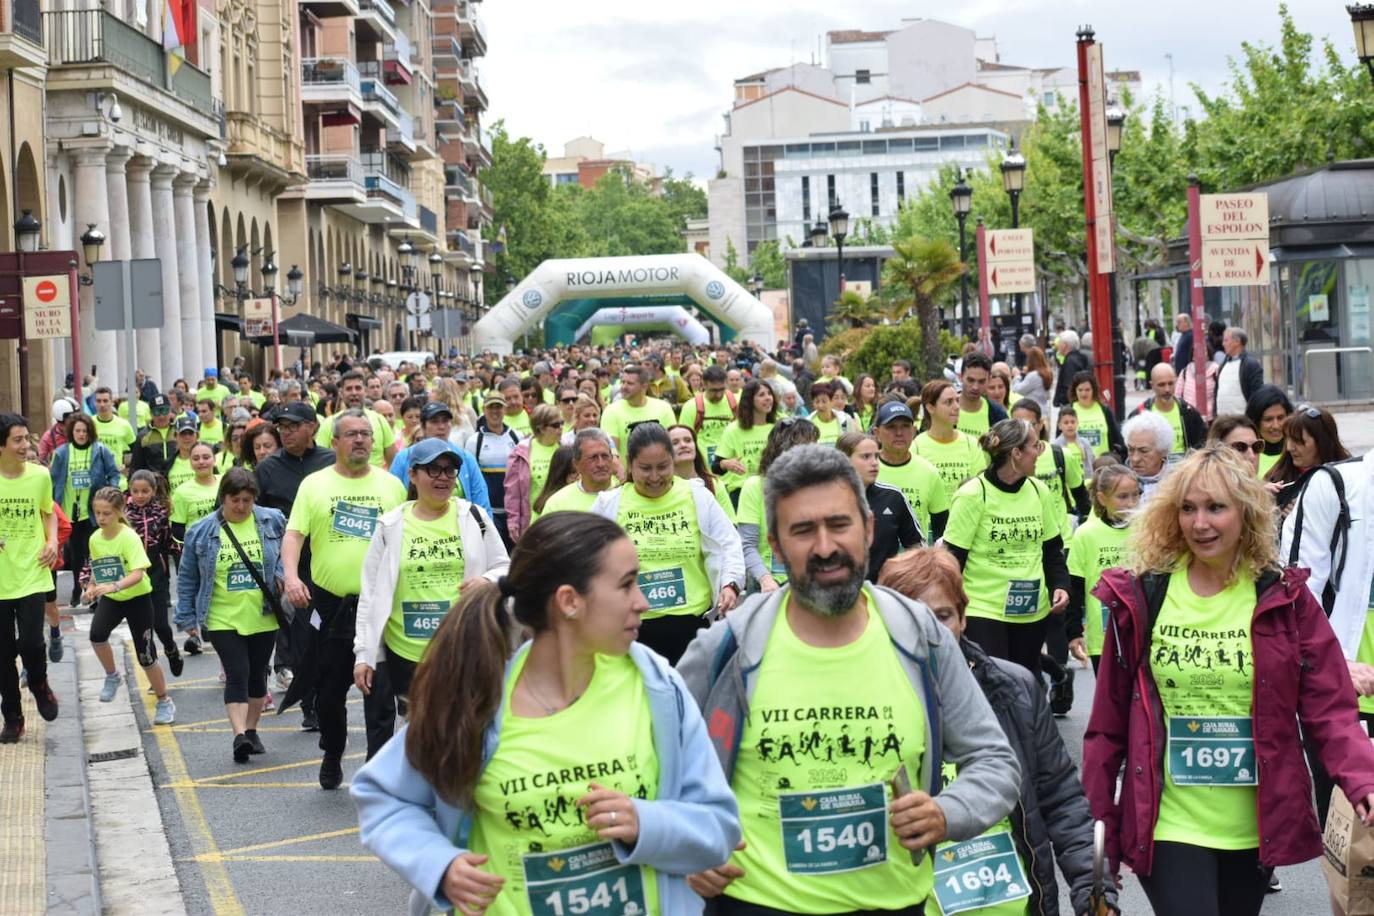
{"x":658,"y":629}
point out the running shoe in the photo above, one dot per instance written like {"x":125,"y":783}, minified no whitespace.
{"x":331,"y":772}
{"x":166,"y":712}
{"x":1275,"y":885}
{"x":310,"y":722}
{"x":268,"y":704}
{"x":110,"y":688}
{"x":46,"y":702}
{"x":255,"y":743}
{"x":242,"y":748}
{"x":54,"y":645}
{"x":12,"y":732}
{"x":284,"y":677}
{"x":192,"y":645}
{"x":175,"y":661}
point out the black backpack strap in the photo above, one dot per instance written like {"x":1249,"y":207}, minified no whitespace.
{"x":1339,"y":545}
{"x":477,"y":516}
{"x":1061,"y":469}
{"x":273,"y":603}
{"x":478,"y":455}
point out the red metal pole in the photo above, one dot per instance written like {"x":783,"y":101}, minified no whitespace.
{"x":984,"y":311}
{"x":1099,"y":293}
{"x":1196,"y":298}
{"x":73,"y":284}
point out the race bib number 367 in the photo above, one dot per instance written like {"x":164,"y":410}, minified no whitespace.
{"x":833,"y":831}
{"x":585,"y":881}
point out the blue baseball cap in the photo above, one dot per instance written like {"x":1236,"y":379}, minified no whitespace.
{"x":428,"y":451}
{"x":893,"y":410}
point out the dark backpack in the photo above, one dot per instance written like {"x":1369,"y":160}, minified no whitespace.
{"x":1340,"y":533}
{"x":1060,"y":469}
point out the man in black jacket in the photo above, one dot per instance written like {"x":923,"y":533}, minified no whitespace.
{"x":1190,"y":430}
{"x":156,"y":446}
{"x":1073,"y":362}
{"x":1240,"y":375}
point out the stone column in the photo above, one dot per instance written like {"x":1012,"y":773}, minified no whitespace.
{"x":206,"y":308}
{"x":193,"y":343}
{"x":139,"y":172}
{"x":92,"y":205}
{"x":147,"y":349}
{"x":174,"y":362}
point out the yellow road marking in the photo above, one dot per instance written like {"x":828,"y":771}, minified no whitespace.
{"x":275,"y":769}
{"x":174,"y":683}
{"x":291,"y":841}
{"x":300,"y":859}
{"x":189,"y":784}
{"x":220,"y":890}
{"x":221,"y":729}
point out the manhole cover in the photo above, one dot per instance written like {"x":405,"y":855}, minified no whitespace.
{"x":105,"y":756}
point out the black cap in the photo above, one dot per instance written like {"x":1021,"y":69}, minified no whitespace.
{"x":893,"y":410}
{"x":160,"y":404}
{"x":434,"y":409}
{"x":295,"y":412}
{"x":187,"y":424}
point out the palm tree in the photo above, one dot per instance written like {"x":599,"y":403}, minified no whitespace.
{"x":919,"y":275}
{"x":854,"y":308}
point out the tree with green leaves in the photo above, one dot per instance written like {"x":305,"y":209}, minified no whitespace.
{"x":920,"y":274}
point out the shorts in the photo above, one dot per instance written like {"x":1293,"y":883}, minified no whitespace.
{"x":138,"y":612}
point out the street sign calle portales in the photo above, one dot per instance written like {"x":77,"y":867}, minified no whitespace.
{"x":1010,"y":257}
{"x":1235,"y":239}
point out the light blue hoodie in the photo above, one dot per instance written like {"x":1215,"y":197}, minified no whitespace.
{"x":693,"y":825}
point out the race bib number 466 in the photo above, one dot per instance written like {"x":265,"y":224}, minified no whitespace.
{"x":585,"y":881}
{"x":835,"y":830}
{"x":664,"y":589}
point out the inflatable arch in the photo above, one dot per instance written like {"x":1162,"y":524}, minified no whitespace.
{"x":673,"y":318}
{"x":596,"y":283}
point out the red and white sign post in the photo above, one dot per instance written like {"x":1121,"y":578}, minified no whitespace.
{"x":1097,"y":210}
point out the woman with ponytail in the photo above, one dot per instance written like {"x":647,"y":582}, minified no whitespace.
{"x":575,"y":766}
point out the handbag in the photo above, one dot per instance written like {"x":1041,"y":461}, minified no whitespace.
{"x":268,"y":595}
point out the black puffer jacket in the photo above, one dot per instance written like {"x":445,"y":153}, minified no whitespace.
{"x":1052,"y":819}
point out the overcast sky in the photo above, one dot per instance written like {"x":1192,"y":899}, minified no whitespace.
{"x":654,"y":77}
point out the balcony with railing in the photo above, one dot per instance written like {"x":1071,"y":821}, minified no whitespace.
{"x":402,"y":136}
{"x":446,"y":50}
{"x":21,"y":34}
{"x":86,"y":38}
{"x":429,"y":221}
{"x":334,"y":177}
{"x":327,"y":80}
{"x":328,"y":9}
{"x":471,"y":29}
{"x":397,"y":62}
{"x":459,"y":240}
{"x":380,"y":16}
{"x":470,"y":82}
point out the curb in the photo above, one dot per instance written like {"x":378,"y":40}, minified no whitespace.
{"x":73,"y":880}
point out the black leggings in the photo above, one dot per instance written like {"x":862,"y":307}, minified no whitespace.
{"x":671,"y":634}
{"x":1188,"y":880}
{"x":161,"y":605}
{"x":78,"y":550}
{"x":139,"y":613}
{"x":245,"y":662}
{"x":1015,"y":642}
{"x":21,"y":633}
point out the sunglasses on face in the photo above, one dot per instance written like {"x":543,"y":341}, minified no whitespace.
{"x":567,"y":400}
{"x":1251,"y":447}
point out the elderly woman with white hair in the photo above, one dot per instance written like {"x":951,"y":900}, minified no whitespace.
{"x":1149,"y":437}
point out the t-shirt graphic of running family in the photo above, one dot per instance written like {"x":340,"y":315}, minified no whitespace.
{"x":1200,"y":656}
{"x":1003,"y":533}
{"x":427,"y":583}
{"x":192,"y":501}
{"x":1092,"y":427}
{"x":984,"y":875}
{"x":112,"y":559}
{"x":339,"y":515}
{"x":920,"y":483}
{"x":1097,"y":546}
{"x":826,"y":730}
{"x":23,"y":503}
{"x":1175,"y":418}
{"x":237,"y":603}
{"x":956,"y":461}
{"x":76,"y":494}
{"x":672,"y":571}
{"x":528,"y":821}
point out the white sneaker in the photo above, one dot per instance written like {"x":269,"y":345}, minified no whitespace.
{"x":110,"y":687}
{"x":284,"y":677}
{"x":166,"y":712}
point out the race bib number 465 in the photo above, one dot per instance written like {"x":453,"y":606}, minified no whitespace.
{"x":585,"y":881}
{"x":835,"y":830}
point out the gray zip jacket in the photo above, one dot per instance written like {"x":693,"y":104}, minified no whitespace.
{"x":721,"y":665}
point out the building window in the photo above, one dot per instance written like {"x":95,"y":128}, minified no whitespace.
{"x":1049,"y":100}
{"x":830,"y":190}
{"x":901,"y":187}
{"x":865,"y":127}
{"x":873,"y":191}
{"x":806,"y":199}
{"x":862,"y":77}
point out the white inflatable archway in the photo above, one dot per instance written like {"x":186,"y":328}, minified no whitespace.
{"x":675,"y":316}
{"x":606,"y":278}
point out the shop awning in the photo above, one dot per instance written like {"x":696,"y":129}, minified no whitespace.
{"x":228,"y":322}
{"x":362,"y":322}
{"x":324,"y":332}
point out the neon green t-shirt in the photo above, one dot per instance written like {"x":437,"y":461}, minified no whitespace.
{"x":180,"y":472}
{"x":984,"y":875}
{"x":1092,"y":427}
{"x":1365,"y":653}
{"x":956,"y":461}
{"x":829,"y":431}
{"x":427,"y":584}
{"x":224,"y":460}
{"x":1200,"y":656}
{"x":747,"y":446}
{"x":520,"y":422}
{"x":216,"y":394}
{"x":211,"y":433}
{"x":1097,"y":546}
{"x":621,"y":417}
{"x":1003,"y":533}
{"x":714,"y":418}
{"x":193,"y":500}
{"x":751,"y":512}
{"x":114,"y":558}
{"x":1267,"y":461}
{"x":383,"y":435}
{"x":142,"y":415}
{"x":540,"y":456}
{"x":827,"y":728}
{"x":339,"y":515}
{"x":116,"y":434}
{"x":76,"y":491}
{"x":1047,"y":472}
{"x":237,"y":603}
{"x":920,"y":482}
{"x":1175,"y":418}
{"x":975,"y":422}
{"x":527,"y":819}
{"x":24,"y":500}
{"x":571,"y":498}
{"x":865,"y":417}
{"x":672,"y":567}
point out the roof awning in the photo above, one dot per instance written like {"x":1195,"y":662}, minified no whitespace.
{"x":303,"y":330}
{"x":228,"y":322}
{"x":362,"y":322}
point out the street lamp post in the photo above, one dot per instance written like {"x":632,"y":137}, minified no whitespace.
{"x":269,"y":281}
{"x":1362,"y":19}
{"x":1014,"y":182}
{"x":839,"y":230}
{"x":27,"y":230}
{"x":961,"y":195}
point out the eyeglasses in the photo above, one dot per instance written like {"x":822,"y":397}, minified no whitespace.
{"x":1244,"y":447}
{"x":437,"y":471}
{"x":355,"y":434}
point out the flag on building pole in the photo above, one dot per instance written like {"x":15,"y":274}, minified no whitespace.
{"x":173,"y":28}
